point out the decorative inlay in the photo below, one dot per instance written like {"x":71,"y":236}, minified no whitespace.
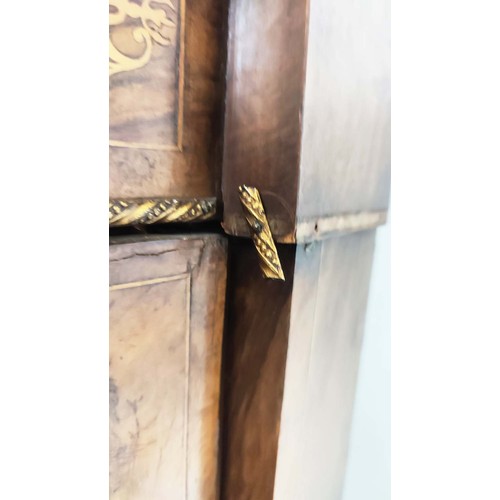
{"x":155,"y":27}
{"x":261,"y":233}
{"x":151,"y":211}
{"x":146,"y":69}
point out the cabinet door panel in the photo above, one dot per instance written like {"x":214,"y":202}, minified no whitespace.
{"x":166,"y":314}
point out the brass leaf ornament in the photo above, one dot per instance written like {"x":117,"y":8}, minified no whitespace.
{"x":261,"y":232}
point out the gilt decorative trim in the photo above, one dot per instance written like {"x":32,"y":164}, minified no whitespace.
{"x":155,"y":26}
{"x":261,"y":233}
{"x":160,"y":211}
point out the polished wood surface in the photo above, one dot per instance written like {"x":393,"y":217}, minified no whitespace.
{"x":290,"y":365}
{"x":166,"y":109}
{"x":307,"y":117}
{"x":255,"y":350}
{"x":264,"y":97}
{"x":331,"y":286}
{"x":166,"y":316}
{"x":345,"y":149}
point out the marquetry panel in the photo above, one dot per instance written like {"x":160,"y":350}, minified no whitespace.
{"x":165,"y":97}
{"x":147,"y":72}
{"x":166,"y":307}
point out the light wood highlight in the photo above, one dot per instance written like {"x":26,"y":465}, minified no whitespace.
{"x":331,"y":286}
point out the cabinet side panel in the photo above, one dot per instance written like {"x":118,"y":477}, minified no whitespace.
{"x":345,"y":156}
{"x":331,"y":286}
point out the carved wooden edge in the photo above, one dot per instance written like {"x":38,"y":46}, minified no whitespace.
{"x":160,"y":210}
{"x":324,"y":227}
{"x":310,"y":229}
{"x":261,"y":233}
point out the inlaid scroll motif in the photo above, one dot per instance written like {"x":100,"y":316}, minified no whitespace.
{"x":154,"y":24}
{"x":261,"y":233}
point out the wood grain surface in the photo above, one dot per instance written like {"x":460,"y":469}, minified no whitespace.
{"x":290,"y":365}
{"x":255,"y":351}
{"x":166,"y":316}
{"x":329,"y":302}
{"x":166,"y":116}
{"x":264,"y":98}
{"x":345,"y":149}
{"x":307,"y":118}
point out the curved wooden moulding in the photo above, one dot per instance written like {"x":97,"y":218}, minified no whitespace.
{"x":160,"y":210}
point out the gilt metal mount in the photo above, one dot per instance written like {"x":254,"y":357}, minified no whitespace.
{"x":261,"y":232}
{"x":160,"y":210}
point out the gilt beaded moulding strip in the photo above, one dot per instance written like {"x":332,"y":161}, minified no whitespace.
{"x":160,"y":210}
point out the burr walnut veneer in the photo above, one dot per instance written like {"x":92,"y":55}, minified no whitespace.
{"x":273,"y":115}
{"x":166,"y":315}
{"x":165,"y":98}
